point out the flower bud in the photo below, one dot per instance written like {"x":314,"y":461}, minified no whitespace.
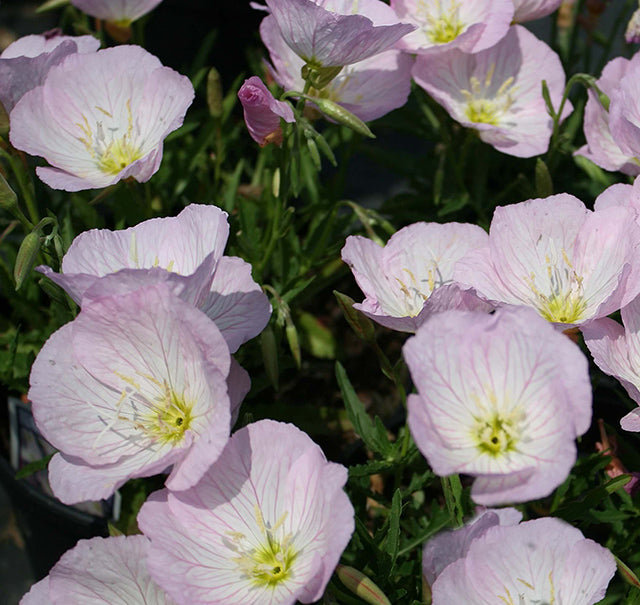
{"x":361,"y":585}
{"x":262,"y":112}
{"x":26,"y":258}
{"x":338,"y":113}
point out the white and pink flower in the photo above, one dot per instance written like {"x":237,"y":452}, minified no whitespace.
{"x":332,"y":33}
{"x":25,"y":63}
{"x":369,"y":89}
{"x":528,"y":10}
{"x":410,"y":278}
{"x":498,"y":91}
{"x":602,"y":148}
{"x":539,"y":561}
{"x":190,"y":247}
{"x":616,"y":351}
{"x":100,"y":571}
{"x":570,"y":264}
{"x":441,"y":25}
{"x":137,"y":383}
{"x":502,"y":398}
{"x":121,"y":12}
{"x":266,"y":525}
{"x":101,"y":117}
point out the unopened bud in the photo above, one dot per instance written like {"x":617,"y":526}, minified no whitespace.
{"x":339,"y":114}
{"x":51,"y":5}
{"x":359,"y":323}
{"x":294,"y":342}
{"x":26,"y":258}
{"x":362,"y":586}
{"x":214,"y":93}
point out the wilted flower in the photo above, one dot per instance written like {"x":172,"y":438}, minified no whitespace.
{"x":369,"y":89}
{"x":136,"y":383}
{"x":601,"y":148}
{"x":616,"y":351}
{"x":570,"y":264}
{"x":102,"y":117}
{"x":410,"y":278}
{"x":501,"y":397}
{"x":100,"y":571}
{"x":266,"y":524}
{"x":190,"y":245}
{"x":539,"y":561}
{"x":262,"y":112}
{"x":498,"y":91}
{"x":328,"y":33}
{"x":528,"y":10}
{"x":449,"y":546}
{"x":122,"y":12}
{"x":25,"y":63}
{"x":468,"y":25}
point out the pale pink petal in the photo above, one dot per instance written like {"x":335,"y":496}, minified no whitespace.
{"x":123,"y":11}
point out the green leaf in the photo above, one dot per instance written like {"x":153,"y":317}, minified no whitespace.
{"x":316,"y":337}
{"x":374,"y":436}
{"x":33,"y":467}
{"x":392,"y":542}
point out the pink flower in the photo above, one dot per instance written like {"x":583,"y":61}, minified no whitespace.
{"x":624,"y":110}
{"x":25,"y":63}
{"x":540,"y":561}
{"x":570,"y":264}
{"x":449,"y":546}
{"x":501,"y":397}
{"x":469,"y":25}
{"x":100,"y":571}
{"x":100,"y":118}
{"x":528,"y":10}
{"x":266,"y":524}
{"x":498,"y":91}
{"x":369,"y":89}
{"x":601,"y":148}
{"x":190,"y":248}
{"x":339,"y":35}
{"x":616,"y":351}
{"x":410,"y":278}
{"x":122,"y":12}
{"x":135,"y":384}
{"x":262,"y":112}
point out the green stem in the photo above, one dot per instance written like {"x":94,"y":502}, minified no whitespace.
{"x":450,"y":486}
{"x":24,"y":184}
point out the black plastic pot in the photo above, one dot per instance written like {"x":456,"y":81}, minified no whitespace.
{"x":49,"y":528}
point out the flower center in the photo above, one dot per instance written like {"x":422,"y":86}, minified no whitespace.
{"x":268,"y":563}
{"x":117,"y":155}
{"x":496,"y":435}
{"x":442,"y":23}
{"x":169,"y":418}
{"x":487,"y":104}
{"x":113,"y":146}
{"x":564,"y":302}
{"x":416,"y":291}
